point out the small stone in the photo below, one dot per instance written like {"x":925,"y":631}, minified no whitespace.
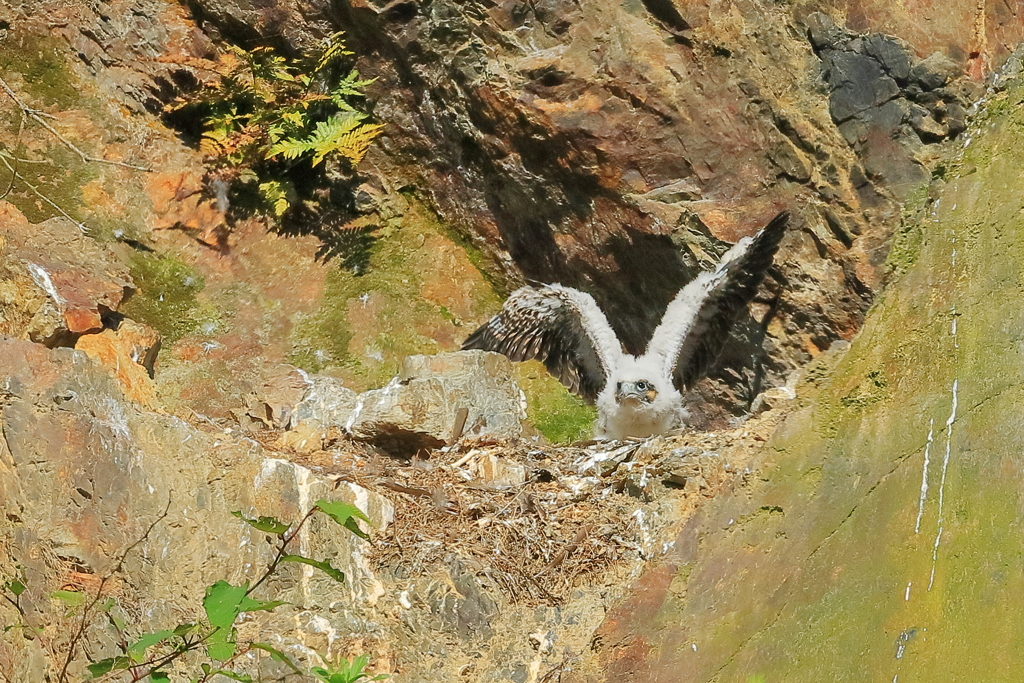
{"x":501,"y":472}
{"x":367,"y":198}
{"x":929,"y":129}
{"x":305,"y":437}
{"x":822,"y":31}
{"x":956,"y":119}
{"x":935,"y":70}
{"x":772,"y":398}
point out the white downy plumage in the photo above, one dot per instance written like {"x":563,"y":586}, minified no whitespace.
{"x":635,"y":396}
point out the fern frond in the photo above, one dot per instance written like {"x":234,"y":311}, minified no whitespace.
{"x":350,"y":86}
{"x":278,"y":195}
{"x":334,"y":47}
{"x":289,"y":148}
{"x":344,"y":134}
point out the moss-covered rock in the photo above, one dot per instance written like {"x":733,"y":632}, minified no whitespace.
{"x":894,"y":548}
{"x":166,"y":297}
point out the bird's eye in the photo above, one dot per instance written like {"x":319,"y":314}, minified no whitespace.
{"x":642,"y":385}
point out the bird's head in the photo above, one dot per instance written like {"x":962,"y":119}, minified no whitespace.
{"x":636,"y":392}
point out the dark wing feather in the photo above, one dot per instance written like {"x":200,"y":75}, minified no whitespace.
{"x":733,"y":287}
{"x":559,"y":326}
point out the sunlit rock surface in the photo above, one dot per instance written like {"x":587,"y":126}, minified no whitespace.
{"x":84,"y":473}
{"x":433,"y":401}
{"x":878,"y":536}
{"x":613,"y":146}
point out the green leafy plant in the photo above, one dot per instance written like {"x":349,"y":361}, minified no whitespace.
{"x":269,"y":126}
{"x":346,"y":671}
{"x":213,"y":644}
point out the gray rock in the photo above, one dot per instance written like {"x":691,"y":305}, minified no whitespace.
{"x":327,"y":401}
{"x":433,"y":401}
{"x":956,"y":119}
{"x":890,"y":115}
{"x":822,"y":31}
{"x":894,"y":57}
{"x":935,"y":70}
{"x":859,"y":84}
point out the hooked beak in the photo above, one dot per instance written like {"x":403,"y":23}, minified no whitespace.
{"x":631,"y":391}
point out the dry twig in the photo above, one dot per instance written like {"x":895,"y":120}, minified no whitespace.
{"x":37,"y":116}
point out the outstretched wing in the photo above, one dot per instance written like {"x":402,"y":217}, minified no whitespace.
{"x":696,"y":324}
{"x":560,"y":326}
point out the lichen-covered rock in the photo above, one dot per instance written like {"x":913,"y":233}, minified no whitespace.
{"x":84,"y":472}
{"x":57,"y":283}
{"x":434,"y":401}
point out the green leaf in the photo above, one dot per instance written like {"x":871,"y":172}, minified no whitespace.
{"x":250,"y":605}
{"x":103,"y":666}
{"x":222,"y":602}
{"x":107,"y":605}
{"x":69,"y":598}
{"x":184,"y":629}
{"x":334,"y":47}
{"x":276,"y":655}
{"x":324,"y":566}
{"x":289,"y":148}
{"x":345,"y":515}
{"x":221,"y":645}
{"x":16,"y":587}
{"x":137,"y":650}
{"x":116,"y":621}
{"x":159,"y":676}
{"x":347,"y":671}
{"x":270,"y":525}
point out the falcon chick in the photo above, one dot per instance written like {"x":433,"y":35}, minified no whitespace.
{"x":635,"y":396}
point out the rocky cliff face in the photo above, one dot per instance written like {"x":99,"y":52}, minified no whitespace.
{"x":614,"y":147}
{"x":874,"y":538}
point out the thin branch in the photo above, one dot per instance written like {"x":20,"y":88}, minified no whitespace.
{"x":37,"y":116}
{"x":17,"y":143}
{"x":21,"y":160}
{"x":34,"y":190}
{"x":285,"y":540}
{"x":63,"y":676}
{"x":161,"y":661}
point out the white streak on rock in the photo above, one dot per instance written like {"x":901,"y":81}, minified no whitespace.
{"x":924,"y":476}
{"x":42,"y":279}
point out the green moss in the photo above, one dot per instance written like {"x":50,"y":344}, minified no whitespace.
{"x":167,"y":297}
{"x":105,"y":228}
{"x":41,"y":62}
{"x":560,"y":416}
{"x":367,"y":323}
{"x":490,"y":273}
{"x":60,"y":181}
{"x":868,"y":392}
{"x":906,"y":242}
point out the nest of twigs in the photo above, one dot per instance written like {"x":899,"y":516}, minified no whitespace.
{"x":537,"y":540}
